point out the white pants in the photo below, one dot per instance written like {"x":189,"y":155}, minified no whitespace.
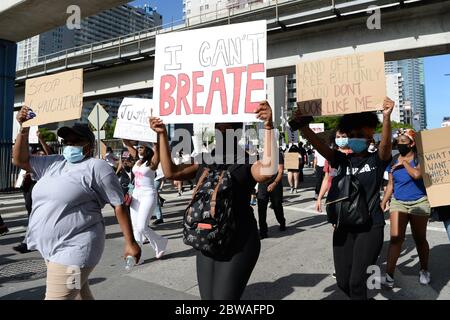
{"x":142,"y":206}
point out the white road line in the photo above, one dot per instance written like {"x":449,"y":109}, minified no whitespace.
{"x":306,"y":210}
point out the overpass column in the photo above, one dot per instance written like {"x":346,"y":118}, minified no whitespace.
{"x":8,"y":52}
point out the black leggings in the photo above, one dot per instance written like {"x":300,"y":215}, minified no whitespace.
{"x":226,"y":280}
{"x":354,"y":251}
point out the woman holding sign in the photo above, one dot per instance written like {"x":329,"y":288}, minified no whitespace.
{"x":408,"y":204}
{"x":66,"y":223}
{"x":354,"y":197}
{"x":144,"y":195}
{"x":226,"y":276}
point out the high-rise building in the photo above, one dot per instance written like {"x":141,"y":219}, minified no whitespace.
{"x":115,"y":22}
{"x":394,"y":90}
{"x":412,"y":71}
{"x":197,"y":11}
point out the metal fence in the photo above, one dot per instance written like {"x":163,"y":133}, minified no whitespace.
{"x":8,"y":172}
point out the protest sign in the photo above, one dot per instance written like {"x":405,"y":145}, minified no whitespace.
{"x":291,"y":160}
{"x":433,"y":148}
{"x":212,"y":74}
{"x":133,"y":120}
{"x":340,"y":85}
{"x":55,"y":98}
{"x":317,"y":127}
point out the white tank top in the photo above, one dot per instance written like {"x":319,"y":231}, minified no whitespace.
{"x":144,"y":177}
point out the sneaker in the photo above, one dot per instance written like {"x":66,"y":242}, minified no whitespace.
{"x":153,"y":218}
{"x":161,"y":248}
{"x":296,"y":191}
{"x":334,"y":275}
{"x":179,"y":194}
{"x":282,"y":227}
{"x":3,"y":229}
{"x":387,"y":281}
{"x":161,"y":201}
{"x":292,"y":190}
{"x":21,"y":248}
{"x":424,"y":277}
{"x":158,"y":221}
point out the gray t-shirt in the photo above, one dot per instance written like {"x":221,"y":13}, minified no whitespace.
{"x":66,"y":224}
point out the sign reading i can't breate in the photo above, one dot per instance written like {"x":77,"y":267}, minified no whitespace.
{"x":433,"y":147}
{"x":133,"y":120}
{"x":211,"y":75}
{"x":54,"y":98}
{"x":341,"y":85}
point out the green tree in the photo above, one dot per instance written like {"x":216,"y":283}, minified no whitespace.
{"x":47,"y":135}
{"x":330,"y":122}
{"x":109,"y":129}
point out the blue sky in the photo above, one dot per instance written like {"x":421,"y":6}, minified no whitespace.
{"x":437,"y":86}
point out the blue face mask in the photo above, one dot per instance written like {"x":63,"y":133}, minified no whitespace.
{"x":73,"y":153}
{"x":358,"y":145}
{"x":341,"y":142}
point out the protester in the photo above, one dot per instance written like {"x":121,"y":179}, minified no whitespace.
{"x":225,"y":277}
{"x":319,"y":163}
{"x":356,"y":246}
{"x":303,"y":160}
{"x":3,"y":227}
{"x":271,"y":190}
{"x":144,"y":197}
{"x":408,"y":204}
{"x":294,"y":174}
{"x":110,"y":158}
{"x":341,"y":142}
{"x":66,"y":224}
{"x":125,"y":173}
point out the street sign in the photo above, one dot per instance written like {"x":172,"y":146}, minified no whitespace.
{"x":102,"y":134}
{"x":97,"y":118}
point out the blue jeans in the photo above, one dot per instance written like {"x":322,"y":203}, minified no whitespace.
{"x":447,"y":227}
{"x":158,"y":212}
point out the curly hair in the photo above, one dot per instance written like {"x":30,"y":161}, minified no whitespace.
{"x":356,"y":121}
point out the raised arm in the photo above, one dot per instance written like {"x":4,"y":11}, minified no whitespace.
{"x":155,"y":159}
{"x":171,"y":171}
{"x":21,"y":153}
{"x":45,"y":146}
{"x":385,"y":149}
{"x":131,"y":149}
{"x":264,"y":169}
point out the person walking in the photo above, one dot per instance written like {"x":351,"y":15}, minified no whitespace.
{"x":160,"y":200}
{"x":271,"y":190}
{"x":225,"y":277}
{"x":408,"y":204}
{"x":356,"y":243}
{"x":66,"y":224}
{"x":294,"y":174}
{"x":144,"y":196}
{"x":318,"y":165}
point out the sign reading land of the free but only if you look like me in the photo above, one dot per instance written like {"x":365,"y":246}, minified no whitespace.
{"x":433,"y":147}
{"x":341,"y":85}
{"x":133,"y":120}
{"x":213,"y":74}
{"x":54,"y":98}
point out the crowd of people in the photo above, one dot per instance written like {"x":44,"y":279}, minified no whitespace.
{"x":359,"y":178}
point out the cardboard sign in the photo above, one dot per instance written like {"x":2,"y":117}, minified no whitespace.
{"x":212,"y":74}
{"x":340,"y":85}
{"x":317,"y":127}
{"x":433,"y":147}
{"x":291,"y":160}
{"x":133,"y":120}
{"x":55,"y":98}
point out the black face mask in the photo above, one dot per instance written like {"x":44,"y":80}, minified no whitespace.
{"x":127,"y":169}
{"x":404,"y":149}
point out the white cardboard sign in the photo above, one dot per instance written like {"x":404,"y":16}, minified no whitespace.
{"x":133,"y":120}
{"x":213,"y":74}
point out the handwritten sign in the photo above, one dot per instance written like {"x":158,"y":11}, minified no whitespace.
{"x":55,"y":98}
{"x":433,"y":147}
{"x":340,"y":85}
{"x":317,"y":127}
{"x":132,"y":120}
{"x":291,"y":160}
{"x":212,"y":74}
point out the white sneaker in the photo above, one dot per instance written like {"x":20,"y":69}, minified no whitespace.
{"x":387,"y":281}
{"x":292,"y":190}
{"x":424,"y":277}
{"x":161,"y":248}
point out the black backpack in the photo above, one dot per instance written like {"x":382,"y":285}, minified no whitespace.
{"x":346,"y":203}
{"x":209,"y":224}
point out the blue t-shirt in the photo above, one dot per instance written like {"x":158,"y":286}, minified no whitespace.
{"x":405,"y":187}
